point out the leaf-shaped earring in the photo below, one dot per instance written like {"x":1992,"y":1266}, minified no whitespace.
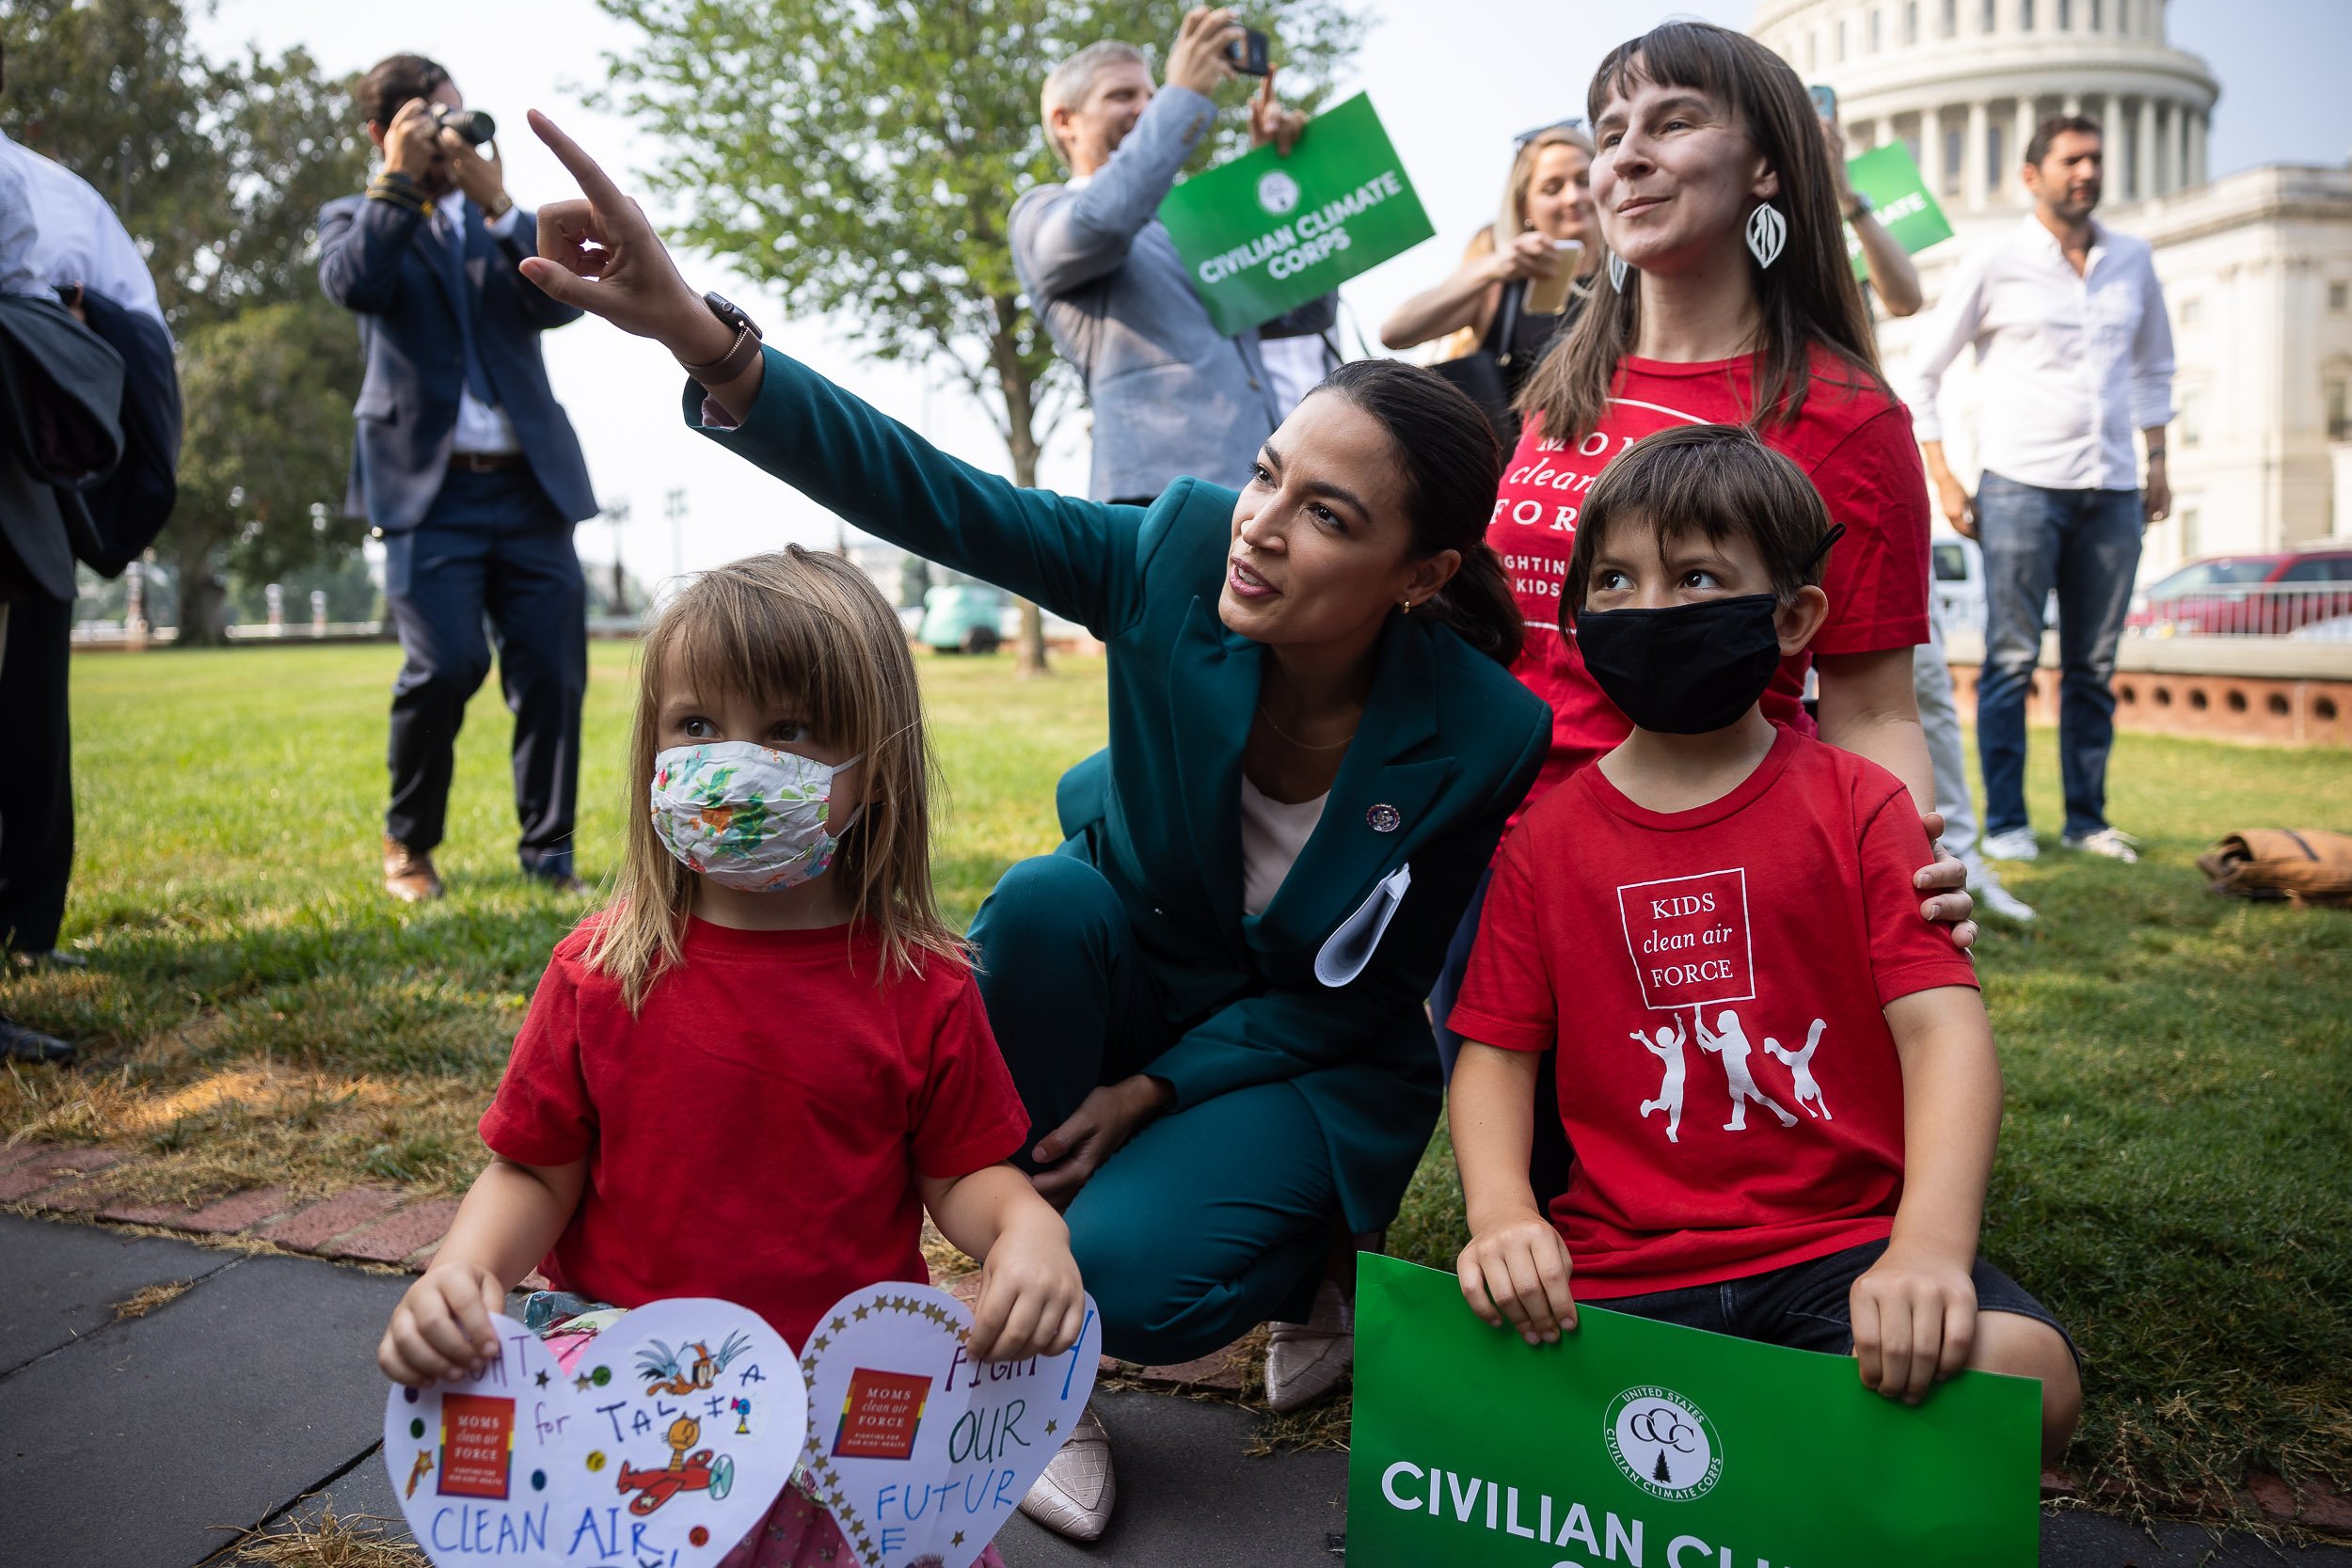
{"x":1766,"y":232}
{"x":1617,"y":269}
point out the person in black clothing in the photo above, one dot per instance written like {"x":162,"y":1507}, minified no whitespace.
{"x":1484,"y":305}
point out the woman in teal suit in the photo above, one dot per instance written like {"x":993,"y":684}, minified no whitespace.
{"x":1211,"y":997}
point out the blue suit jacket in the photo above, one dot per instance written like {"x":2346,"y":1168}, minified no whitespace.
{"x":1448,"y":744}
{"x":375,"y":259}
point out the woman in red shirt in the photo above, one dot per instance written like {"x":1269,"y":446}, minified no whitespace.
{"x":1730,"y":300}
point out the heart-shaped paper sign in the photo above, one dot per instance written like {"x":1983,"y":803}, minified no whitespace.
{"x":920,"y":1452}
{"x":665,"y":1441}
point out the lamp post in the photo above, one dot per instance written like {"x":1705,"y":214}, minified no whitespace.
{"x":618,"y":514}
{"x":674,"y":508}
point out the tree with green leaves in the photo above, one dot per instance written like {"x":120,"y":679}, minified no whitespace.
{"x":863,"y":157}
{"x":218,"y":170}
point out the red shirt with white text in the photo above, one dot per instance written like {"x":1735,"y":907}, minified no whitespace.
{"x":1715,"y":981}
{"x":1856,"y":445}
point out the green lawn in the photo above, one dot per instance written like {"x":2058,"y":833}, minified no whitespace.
{"x":2176,"y":1173}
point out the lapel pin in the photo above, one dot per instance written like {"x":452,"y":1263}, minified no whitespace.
{"x":1384,"y":818}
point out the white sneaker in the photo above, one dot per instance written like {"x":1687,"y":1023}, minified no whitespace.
{"x":2114,"y":843}
{"x":2012,"y":844}
{"x":1074,"y":1493}
{"x":1993,"y":898}
{"x":1305,"y":1361}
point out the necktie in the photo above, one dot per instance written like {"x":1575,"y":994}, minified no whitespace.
{"x":450,"y":230}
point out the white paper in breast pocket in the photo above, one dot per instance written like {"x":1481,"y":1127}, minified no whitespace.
{"x":1349,"y":949}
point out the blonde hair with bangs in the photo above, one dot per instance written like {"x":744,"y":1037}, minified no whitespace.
{"x":806,"y":630}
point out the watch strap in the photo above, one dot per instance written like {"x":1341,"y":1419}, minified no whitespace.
{"x":734,"y":362}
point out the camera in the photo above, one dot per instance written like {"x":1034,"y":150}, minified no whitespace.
{"x":1248,"y":53}
{"x":471,"y":125}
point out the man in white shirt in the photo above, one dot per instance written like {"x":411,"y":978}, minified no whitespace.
{"x":57,"y":239}
{"x":2073,"y":353}
{"x":465,"y":467}
{"x":55,"y":228}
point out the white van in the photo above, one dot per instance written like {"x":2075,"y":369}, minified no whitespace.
{"x":1956,"y":582}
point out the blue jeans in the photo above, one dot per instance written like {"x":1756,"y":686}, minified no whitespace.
{"x":2085,"y":544}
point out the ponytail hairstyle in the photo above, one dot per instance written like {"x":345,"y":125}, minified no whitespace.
{"x":1807,"y":299}
{"x":1446,"y":451}
{"x":806,"y":630}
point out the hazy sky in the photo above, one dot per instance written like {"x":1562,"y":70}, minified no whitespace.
{"x":1431,"y":71}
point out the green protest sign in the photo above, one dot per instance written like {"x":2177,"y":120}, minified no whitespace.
{"x":1264,"y":234}
{"x":1662,"y":1446}
{"x":1898,"y":198}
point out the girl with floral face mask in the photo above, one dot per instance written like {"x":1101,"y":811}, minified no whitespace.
{"x":751,"y":1074}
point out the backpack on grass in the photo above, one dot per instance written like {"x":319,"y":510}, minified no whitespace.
{"x":2312,"y":866}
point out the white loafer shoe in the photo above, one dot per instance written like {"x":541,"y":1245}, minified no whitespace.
{"x":1306,"y":1361}
{"x":1074,"y":1493}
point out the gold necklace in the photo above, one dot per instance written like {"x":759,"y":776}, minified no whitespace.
{"x":1302,"y":745}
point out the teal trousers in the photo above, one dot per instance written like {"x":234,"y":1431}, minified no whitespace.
{"x":1215,"y":1217}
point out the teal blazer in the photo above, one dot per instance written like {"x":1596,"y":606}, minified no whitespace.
{"x":1448,"y":745}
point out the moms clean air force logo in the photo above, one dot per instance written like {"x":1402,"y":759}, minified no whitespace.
{"x":1663,"y":1443}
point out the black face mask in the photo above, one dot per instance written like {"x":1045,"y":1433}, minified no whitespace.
{"x":1687,"y":668}
{"x":1694,"y":668}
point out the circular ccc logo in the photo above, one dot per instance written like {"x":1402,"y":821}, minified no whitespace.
{"x":1663,"y":1444}
{"x":1278,"y":193}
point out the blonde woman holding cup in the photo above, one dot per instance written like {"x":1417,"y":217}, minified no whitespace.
{"x":1523,"y":280}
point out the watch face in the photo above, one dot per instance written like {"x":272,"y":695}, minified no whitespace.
{"x":731,"y":313}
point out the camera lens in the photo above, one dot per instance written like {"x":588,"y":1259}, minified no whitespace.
{"x":473,"y":125}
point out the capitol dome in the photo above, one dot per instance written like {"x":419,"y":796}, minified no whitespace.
{"x":1965,"y":81}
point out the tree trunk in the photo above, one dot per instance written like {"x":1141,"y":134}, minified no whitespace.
{"x":200,"y":599}
{"x":1021,"y":439}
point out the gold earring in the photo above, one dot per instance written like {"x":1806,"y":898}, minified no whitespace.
{"x":1407,"y":605}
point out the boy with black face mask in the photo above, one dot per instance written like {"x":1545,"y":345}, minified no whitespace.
{"x":1778,"y":1079}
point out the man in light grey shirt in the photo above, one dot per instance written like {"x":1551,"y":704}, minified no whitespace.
{"x":2074,"y":353}
{"x":1171,"y":395}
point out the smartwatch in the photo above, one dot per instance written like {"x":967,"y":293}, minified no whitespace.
{"x":1861,"y":204}
{"x":739,"y":354}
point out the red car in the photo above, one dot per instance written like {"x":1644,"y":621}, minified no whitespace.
{"x":2245,"y":595}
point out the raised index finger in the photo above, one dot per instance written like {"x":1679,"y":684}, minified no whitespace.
{"x":593,"y":183}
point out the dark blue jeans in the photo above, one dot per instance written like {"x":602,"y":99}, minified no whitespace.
{"x":2085,"y":544}
{"x":493,"y":547}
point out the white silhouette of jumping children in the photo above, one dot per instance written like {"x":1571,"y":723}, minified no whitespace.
{"x":1731,"y":1044}
{"x":1799,"y":1065}
{"x":1667,"y":1048}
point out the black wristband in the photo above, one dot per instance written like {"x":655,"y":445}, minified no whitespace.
{"x":399,"y":189}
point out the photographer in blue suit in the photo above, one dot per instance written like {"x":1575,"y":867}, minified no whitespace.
{"x":465,"y":467}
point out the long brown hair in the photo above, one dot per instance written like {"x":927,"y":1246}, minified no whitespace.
{"x":1807,"y":299}
{"x":806,"y":629}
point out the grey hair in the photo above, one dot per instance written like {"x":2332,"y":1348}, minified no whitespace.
{"x":1071,"y":82}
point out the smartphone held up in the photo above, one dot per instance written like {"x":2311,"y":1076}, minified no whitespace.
{"x":1252,"y":52}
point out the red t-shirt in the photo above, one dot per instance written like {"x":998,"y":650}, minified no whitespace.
{"x":1727,"y":1075}
{"x":755,"y":1133}
{"x":1856,"y":445}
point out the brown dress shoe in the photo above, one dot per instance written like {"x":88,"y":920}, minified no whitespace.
{"x":408,"y":873}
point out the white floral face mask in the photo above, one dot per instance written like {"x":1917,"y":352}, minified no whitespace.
{"x":744,"y":816}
